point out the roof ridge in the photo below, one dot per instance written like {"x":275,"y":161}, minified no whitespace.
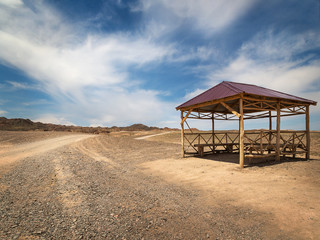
{"x":229,"y":85}
{"x":272,"y":90}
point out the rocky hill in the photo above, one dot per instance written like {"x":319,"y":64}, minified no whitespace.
{"x":20,"y":124}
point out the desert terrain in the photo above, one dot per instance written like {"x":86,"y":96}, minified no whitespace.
{"x":135,"y":185}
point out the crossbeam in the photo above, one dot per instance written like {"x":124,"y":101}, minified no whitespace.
{"x":230,"y":109}
{"x":182,"y":121}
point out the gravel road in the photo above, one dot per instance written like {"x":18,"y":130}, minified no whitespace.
{"x":95,"y":188}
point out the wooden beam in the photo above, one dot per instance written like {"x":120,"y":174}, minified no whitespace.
{"x":246,"y":97}
{"x":270,"y":129}
{"x":182,"y":134}
{"x":267,"y":116}
{"x":230,"y":109}
{"x":212,"y":122}
{"x":258,"y":109}
{"x":210,"y":103}
{"x":183,"y":119}
{"x":241,"y":133}
{"x":282,"y":100}
{"x":270,"y":121}
{"x":278,"y":133}
{"x":308,"y":132}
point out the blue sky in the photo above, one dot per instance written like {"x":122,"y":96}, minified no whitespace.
{"x":121,"y":62}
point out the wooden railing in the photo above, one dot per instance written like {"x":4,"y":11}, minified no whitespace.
{"x":219,"y":141}
{"x":256,"y":143}
{"x":264,"y":142}
{"x":293,"y":142}
{"x":259,"y":142}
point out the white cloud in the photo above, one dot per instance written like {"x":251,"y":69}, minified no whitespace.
{"x":281,"y":46}
{"x":124,"y":107}
{"x":275,"y":61}
{"x":50,"y":118}
{"x":2,"y":112}
{"x":98,"y":61}
{"x":194,"y":93}
{"x":37,"y":102}
{"x":284,"y":76}
{"x":11,"y":3}
{"x":86,"y":73}
{"x":201,"y":53}
{"x":19,"y":85}
{"x":207,"y":15}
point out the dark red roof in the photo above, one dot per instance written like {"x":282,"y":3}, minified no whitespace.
{"x":227,"y":89}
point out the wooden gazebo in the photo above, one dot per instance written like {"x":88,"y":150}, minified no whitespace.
{"x":237,"y":101}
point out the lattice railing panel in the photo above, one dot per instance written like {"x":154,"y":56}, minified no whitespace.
{"x":293,"y":142}
{"x":259,"y":142}
{"x":255,"y":142}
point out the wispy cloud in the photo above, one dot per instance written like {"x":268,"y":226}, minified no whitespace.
{"x":93,"y":74}
{"x":50,"y":118}
{"x":206,"y":15}
{"x":19,"y":85}
{"x":11,"y":3}
{"x":38,"y":102}
{"x":2,"y":112}
{"x":98,"y":61}
{"x":190,"y":95}
{"x":87,"y":71}
{"x":281,"y":61}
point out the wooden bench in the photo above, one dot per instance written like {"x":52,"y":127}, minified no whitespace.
{"x":228,"y":146}
{"x":249,"y":147}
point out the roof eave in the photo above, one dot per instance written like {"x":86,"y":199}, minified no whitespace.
{"x":208,"y":103}
{"x":302,"y":101}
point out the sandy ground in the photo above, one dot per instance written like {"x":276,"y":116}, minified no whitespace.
{"x":134,"y":189}
{"x":290,"y":193}
{"x":152,"y":135}
{"x":9,"y":153}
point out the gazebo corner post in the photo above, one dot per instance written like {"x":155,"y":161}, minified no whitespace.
{"x":278,"y":133}
{"x":307,"y":132}
{"x":212,"y":124}
{"x":270,"y":131}
{"x":241,"y":135}
{"x":182,"y":134}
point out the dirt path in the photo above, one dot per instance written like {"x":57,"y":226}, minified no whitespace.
{"x":10,"y":154}
{"x":105,"y":187}
{"x":149,"y":136}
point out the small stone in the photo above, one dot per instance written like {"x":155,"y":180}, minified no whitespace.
{"x":16,"y":236}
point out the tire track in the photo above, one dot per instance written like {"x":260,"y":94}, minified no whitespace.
{"x":90,"y":152}
{"x":69,"y":194}
{"x":26,"y":150}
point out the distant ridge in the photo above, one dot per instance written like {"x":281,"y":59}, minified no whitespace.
{"x":21,"y":124}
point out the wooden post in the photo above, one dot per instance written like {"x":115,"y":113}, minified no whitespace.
{"x":293,"y":145}
{"x":261,"y":146}
{"x":270,"y":129}
{"x":213,"y":147}
{"x":241,"y":133}
{"x":308,"y":132}
{"x":182,"y":133}
{"x":278,"y":133}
